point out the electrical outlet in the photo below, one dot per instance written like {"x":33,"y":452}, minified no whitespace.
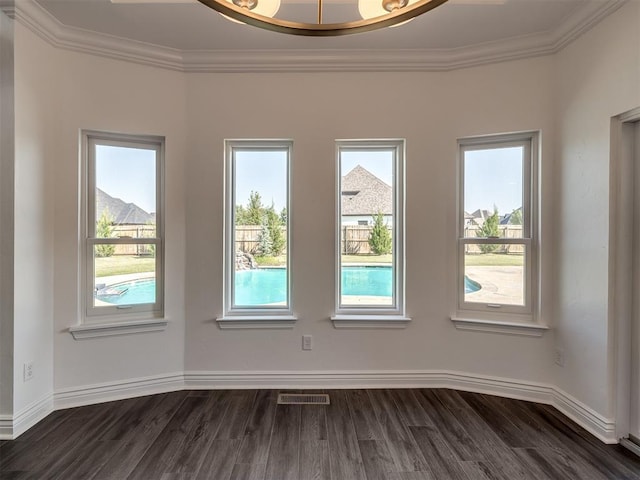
{"x":307,"y":342}
{"x":27,"y":371}
{"x":558,"y":357}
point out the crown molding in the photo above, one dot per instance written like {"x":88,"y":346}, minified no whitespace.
{"x":34,"y":17}
{"x":578,"y":24}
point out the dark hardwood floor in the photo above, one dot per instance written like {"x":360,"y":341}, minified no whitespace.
{"x":363,"y":435}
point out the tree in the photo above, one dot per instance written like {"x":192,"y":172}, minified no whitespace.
{"x":241,"y":215}
{"x":254,"y":211}
{"x":271,"y":239}
{"x":276,"y":235}
{"x":149,"y":232}
{"x":104,"y":229}
{"x":516,"y":217}
{"x":380,"y":236}
{"x":265,"y":246}
{"x":489,"y":229}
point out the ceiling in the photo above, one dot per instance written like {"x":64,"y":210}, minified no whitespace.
{"x":454,"y":26}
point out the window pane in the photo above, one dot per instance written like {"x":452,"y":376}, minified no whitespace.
{"x":494,"y":274}
{"x":124,"y":275}
{"x":125,"y":194}
{"x":493,"y":193}
{"x":260,"y":228}
{"x":366,"y":228}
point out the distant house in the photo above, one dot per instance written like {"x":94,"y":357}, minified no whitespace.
{"x":365,"y":195}
{"x":121,"y":212}
{"x":513,"y":218}
{"x":468,"y":219}
{"x":477,"y":218}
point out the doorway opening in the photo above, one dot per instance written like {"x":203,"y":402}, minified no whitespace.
{"x":625,"y":282}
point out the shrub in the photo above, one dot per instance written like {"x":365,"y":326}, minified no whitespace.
{"x":380,"y":236}
{"x":149,"y":233}
{"x":489,"y":229}
{"x":104,"y":229}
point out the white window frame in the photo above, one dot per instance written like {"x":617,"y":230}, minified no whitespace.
{"x":373,"y":316}
{"x":261,"y":316}
{"x":128,"y":314}
{"x":470,"y":315}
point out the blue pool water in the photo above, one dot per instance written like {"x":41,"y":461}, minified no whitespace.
{"x":268,"y":285}
{"x":133,"y":292}
{"x":371,"y":281}
{"x":261,"y":286}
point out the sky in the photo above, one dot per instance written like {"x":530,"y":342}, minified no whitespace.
{"x":492,"y":177}
{"x":262,"y":172}
{"x":379,"y":163}
{"x":265,"y":172}
{"x":128,"y":174}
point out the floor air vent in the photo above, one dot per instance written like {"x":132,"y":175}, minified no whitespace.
{"x":303,"y":399}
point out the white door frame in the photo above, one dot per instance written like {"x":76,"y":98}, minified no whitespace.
{"x":621,"y":209}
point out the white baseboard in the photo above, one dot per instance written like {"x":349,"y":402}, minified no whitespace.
{"x":119,"y":390}
{"x":596,"y":424}
{"x":601,"y":427}
{"x":12,"y":426}
{"x":630,"y":445}
{"x":6,"y":427}
{"x":365,"y":379}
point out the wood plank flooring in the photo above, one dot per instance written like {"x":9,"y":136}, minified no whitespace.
{"x":432,"y":434}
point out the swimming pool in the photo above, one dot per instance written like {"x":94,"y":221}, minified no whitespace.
{"x":133,"y":292}
{"x":268,"y":285}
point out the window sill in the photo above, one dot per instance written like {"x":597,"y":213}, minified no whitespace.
{"x":256,"y":322}
{"x":82,"y":332}
{"x":370,"y":321}
{"x":497,"y":326}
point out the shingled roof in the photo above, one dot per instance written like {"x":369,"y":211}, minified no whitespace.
{"x":365,"y":194}
{"x":122,"y":213}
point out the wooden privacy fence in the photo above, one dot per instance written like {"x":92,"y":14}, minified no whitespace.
{"x":248,"y":238}
{"x":354,"y":238}
{"x":505,"y":231}
{"x":134,"y":231}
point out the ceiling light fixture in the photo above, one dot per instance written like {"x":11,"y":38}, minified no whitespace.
{"x":376,"y":14}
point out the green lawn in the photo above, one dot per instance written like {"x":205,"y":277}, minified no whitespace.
{"x":280,"y":261}
{"x":474,"y":260}
{"x":493,"y":260}
{"x":367,"y":258}
{"x":123,"y":264}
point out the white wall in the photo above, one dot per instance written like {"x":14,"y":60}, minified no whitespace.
{"x":35,"y":90}
{"x":100,"y":94}
{"x":597,"y":77}
{"x":570,"y":98}
{"x":432,"y":110}
{"x":6,"y":214}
